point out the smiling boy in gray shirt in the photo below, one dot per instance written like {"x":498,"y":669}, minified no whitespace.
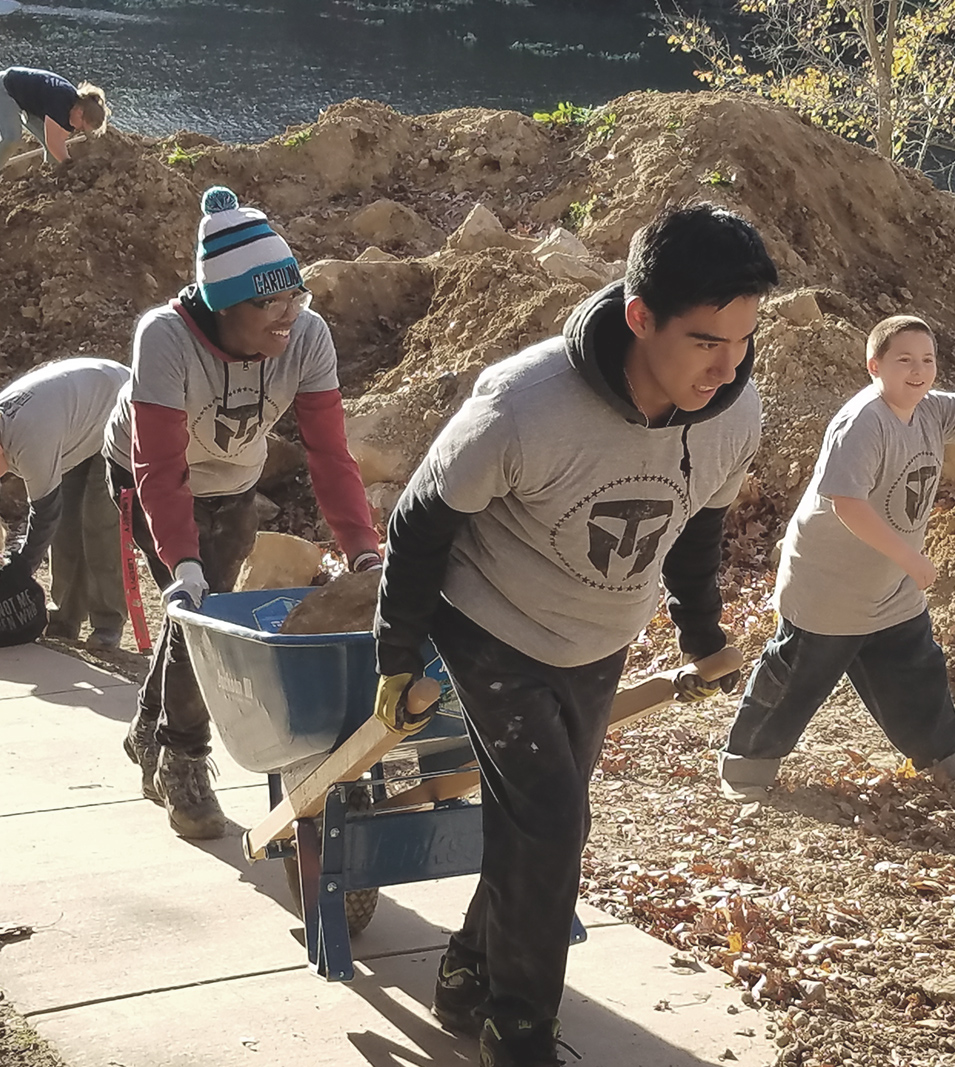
{"x":852,"y":573}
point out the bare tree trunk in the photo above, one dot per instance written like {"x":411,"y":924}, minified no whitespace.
{"x":881,"y":55}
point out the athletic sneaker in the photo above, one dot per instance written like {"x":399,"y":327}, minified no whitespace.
{"x":462,"y":987}
{"x":519,"y":1043}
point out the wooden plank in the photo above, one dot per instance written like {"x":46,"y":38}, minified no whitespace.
{"x":357,"y":754}
{"x":430,"y":791}
{"x":349,"y":761}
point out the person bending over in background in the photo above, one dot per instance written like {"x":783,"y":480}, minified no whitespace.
{"x":52,"y":422}
{"x":50,"y":107}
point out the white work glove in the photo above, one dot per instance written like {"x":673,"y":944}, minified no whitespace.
{"x":190,"y":585}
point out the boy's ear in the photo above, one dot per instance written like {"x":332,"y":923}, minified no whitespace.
{"x":872,"y":366}
{"x":639,"y":316}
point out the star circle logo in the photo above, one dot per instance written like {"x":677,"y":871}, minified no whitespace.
{"x":608,"y":539}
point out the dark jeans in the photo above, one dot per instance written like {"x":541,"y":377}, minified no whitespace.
{"x":899,"y":674}
{"x":537,"y":732}
{"x":170,"y":695}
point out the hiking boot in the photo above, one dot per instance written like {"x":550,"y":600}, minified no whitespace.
{"x":461,"y":988}
{"x":141,"y":746}
{"x":519,"y":1043}
{"x":103,"y":640}
{"x":182,"y":783}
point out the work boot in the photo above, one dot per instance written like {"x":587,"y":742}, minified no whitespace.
{"x":141,"y":746}
{"x":461,"y":988}
{"x":519,"y":1043}
{"x":182,"y":783}
{"x":103,"y":640}
{"x":62,"y":631}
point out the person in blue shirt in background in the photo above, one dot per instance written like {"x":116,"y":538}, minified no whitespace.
{"x":50,"y":107}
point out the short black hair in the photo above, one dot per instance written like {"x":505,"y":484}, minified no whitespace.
{"x":696,"y":254}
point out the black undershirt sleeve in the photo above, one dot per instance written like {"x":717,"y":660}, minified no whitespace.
{"x":420,"y":533}
{"x":691,"y":577}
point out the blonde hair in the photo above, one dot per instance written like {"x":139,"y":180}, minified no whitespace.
{"x":92,"y":102}
{"x":884,"y":332}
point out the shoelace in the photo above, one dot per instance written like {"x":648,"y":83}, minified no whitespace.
{"x":570,"y":1048}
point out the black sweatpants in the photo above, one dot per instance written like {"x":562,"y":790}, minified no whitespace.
{"x":170,"y":695}
{"x":537,"y":732}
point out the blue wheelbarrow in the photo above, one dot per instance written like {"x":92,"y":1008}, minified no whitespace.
{"x":298,"y":708}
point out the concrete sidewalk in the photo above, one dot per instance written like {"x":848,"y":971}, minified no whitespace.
{"x":150,"y":951}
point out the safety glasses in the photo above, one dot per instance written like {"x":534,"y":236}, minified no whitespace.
{"x":279,"y":307}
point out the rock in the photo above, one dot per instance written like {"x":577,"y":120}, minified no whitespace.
{"x":266,"y":509}
{"x":885,"y":303}
{"x":480,"y":230}
{"x":285,"y":459}
{"x":561,"y":240}
{"x":799,"y":308}
{"x":374,"y":439}
{"x":384,"y":496}
{"x":387,"y":222}
{"x":343,"y":605}
{"x":279,"y":561}
{"x":939,"y":987}
{"x":570,"y":268}
{"x":375,"y":255}
{"x":396,"y":290}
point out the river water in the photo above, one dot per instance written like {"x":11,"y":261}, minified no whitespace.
{"x":242,"y":70}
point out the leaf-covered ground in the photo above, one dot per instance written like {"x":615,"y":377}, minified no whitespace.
{"x":829,"y":906}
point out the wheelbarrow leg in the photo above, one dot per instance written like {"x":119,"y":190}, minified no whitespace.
{"x":334,"y":944}
{"x":309,"y":856}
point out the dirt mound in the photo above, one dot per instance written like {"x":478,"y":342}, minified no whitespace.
{"x":86,"y":248}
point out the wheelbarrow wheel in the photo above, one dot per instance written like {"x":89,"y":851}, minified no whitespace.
{"x":360,"y":904}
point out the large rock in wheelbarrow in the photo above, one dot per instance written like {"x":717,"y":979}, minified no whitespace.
{"x":342,"y":605}
{"x":280,"y":561}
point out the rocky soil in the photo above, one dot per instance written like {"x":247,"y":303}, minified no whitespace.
{"x":437,"y":244}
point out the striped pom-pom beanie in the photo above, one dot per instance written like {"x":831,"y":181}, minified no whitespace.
{"x":238,"y":255}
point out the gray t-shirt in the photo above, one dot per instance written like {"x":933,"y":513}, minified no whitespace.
{"x":830,"y":582}
{"x":52,"y":419}
{"x":230,"y":406}
{"x":571,"y":507}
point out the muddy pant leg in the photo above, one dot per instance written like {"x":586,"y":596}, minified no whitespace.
{"x":227,"y":527}
{"x":538,"y":732}
{"x":68,"y":576}
{"x":901,"y":677}
{"x":101,"y":551}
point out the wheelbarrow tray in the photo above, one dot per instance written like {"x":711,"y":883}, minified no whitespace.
{"x":280,"y":698}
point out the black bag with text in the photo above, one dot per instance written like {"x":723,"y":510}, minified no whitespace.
{"x":23,"y":614}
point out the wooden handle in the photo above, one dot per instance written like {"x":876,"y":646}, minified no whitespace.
{"x":710,"y":668}
{"x":349,"y":761}
{"x":657,"y":691}
{"x":422,"y":695}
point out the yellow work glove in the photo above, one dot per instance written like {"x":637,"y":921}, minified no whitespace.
{"x":391,"y":705}
{"x":690,"y":687}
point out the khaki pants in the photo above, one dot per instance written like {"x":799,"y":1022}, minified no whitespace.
{"x":85,"y":562}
